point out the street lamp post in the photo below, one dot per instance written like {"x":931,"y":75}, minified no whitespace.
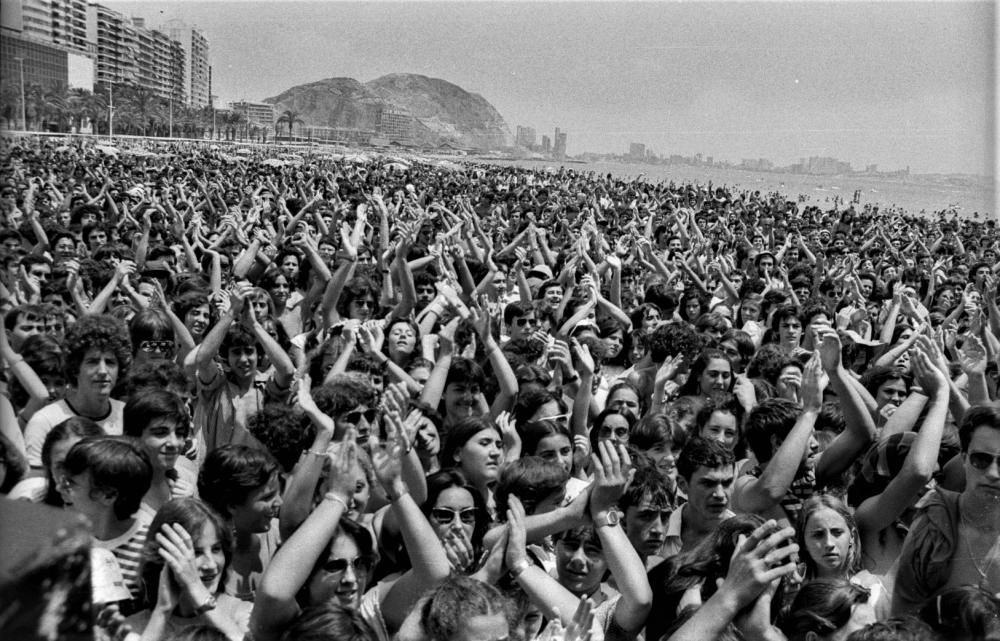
{"x":111,"y":107}
{"x":24,"y":102}
{"x":171,"y":114}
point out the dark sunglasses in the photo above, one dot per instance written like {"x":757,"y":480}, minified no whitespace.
{"x":982,"y":460}
{"x":363,"y":302}
{"x":360,"y":564}
{"x":161,"y":347}
{"x":355,"y":417}
{"x":444,"y":516}
{"x":521,"y":322}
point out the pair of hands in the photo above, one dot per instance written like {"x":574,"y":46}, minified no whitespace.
{"x":759,"y":563}
{"x":510,"y":552}
{"x":386,"y":455}
{"x":570,"y":356}
{"x":806,"y":388}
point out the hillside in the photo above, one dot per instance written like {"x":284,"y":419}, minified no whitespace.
{"x":440,"y":111}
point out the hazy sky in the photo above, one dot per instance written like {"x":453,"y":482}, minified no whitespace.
{"x":882,"y":82}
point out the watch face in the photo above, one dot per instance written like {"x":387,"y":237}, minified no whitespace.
{"x":613,"y":517}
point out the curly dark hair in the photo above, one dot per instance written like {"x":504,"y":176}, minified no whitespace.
{"x":101,"y":332}
{"x":674,"y":338}
{"x":285,"y":431}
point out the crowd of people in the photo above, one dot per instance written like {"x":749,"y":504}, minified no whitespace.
{"x":369,"y":398}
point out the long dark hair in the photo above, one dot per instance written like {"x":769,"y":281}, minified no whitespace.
{"x":710,"y":558}
{"x":191,"y":514}
{"x":447,"y":479}
{"x":822,"y":606}
{"x":692,"y":386}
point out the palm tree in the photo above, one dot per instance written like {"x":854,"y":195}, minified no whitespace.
{"x":139,"y":107}
{"x":290,"y":117}
{"x":76,"y":108}
{"x":95,"y":109}
{"x":10,"y":103}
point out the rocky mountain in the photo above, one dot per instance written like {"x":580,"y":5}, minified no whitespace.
{"x":399,"y":106}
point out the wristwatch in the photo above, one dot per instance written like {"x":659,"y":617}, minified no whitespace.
{"x":206,"y":606}
{"x":611,"y":518}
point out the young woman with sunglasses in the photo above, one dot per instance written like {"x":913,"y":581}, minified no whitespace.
{"x":330,"y":558}
{"x":457,"y":512}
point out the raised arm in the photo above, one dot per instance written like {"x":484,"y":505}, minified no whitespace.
{"x":340,"y":278}
{"x":429,"y":562}
{"x":612,"y":474}
{"x":275,"y":605}
{"x":123,"y":270}
{"x":502,"y":370}
{"x":434,"y":387}
{"x":202,"y":358}
{"x":860,"y":430}
{"x":543,"y":589}
{"x":755,"y":569}
{"x":301,"y":486}
{"x":878,"y":512}
{"x":764,"y":493}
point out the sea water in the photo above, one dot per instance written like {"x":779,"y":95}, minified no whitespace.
{"x":967,"y":196}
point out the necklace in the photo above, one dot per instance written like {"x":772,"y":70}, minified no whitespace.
{"x":968,"y":546}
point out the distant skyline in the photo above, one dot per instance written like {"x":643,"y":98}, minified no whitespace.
{"x":885,"y":83}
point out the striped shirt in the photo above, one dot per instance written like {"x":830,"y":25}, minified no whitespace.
{"x":127,"y":549}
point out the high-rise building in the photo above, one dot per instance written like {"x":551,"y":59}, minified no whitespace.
{"x":160,"y":63}
{"x":43,"y":39}
{"x":559,"y":144}
{"x":69,"y":25}
{"x":195,"y":47}
{"x":637,"y":151}
{"x":526,"y":136}
{"x":546,"y":144}
{"x":130,"y":53}
{"x":117,"y":41}
{"x":36,"y":18}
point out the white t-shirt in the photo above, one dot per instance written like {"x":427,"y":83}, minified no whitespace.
{"x":55,"y":413}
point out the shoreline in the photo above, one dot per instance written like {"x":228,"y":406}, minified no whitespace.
{"x":915,"y":197}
